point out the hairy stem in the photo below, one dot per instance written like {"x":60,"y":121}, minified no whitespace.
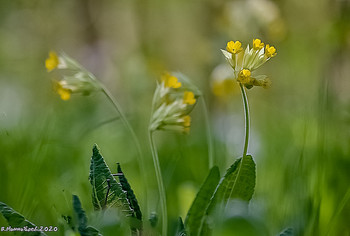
{"x":161,"y":188}
{"x":126,"y":123}
{"x":246,"y":116}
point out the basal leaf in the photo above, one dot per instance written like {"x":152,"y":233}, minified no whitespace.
{"x":106,"y":191}
{"x":83,"y":227}
{"x":16,"y":220}
{"x":238,"y":182}
{"x":197,"y":214}
{"x":136,"y":227}
{"x":129,"y":193}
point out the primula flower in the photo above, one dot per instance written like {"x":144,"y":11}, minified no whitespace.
{"x":234,"y":47}
{"x":52,"y":61}
{"x":270,"y":51}
{"x":74,"y":78}
{"x":64,"y":93}
{"x":189,"y":98}
{"x":187,"y":121}
{"x":171,"y":105}
{"x":257,"y":44}
{"x":245,"y":62}
{"x":170,"y":81}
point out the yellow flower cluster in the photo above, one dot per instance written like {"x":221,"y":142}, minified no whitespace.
{"x":74,"y":78}
{"x":171,"y":105}
{"x":245,"y":62}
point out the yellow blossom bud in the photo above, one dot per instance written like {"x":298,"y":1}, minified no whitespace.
{"x":189,"y":98}
{"x":170,"y":81}
{"x":270,"y":51}
{"x":187,"y":121}
{"x":62,"y":91}
{"x":64,"y":94}
{"x":257,"y":44}
{"x":265,"y":83}
{"x":234,"y":47}
{"x":52,"y":61}
{"x":244,"y":76}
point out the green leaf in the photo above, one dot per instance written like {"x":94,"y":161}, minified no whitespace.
{"x":287,"y":232}
{"x":16,"y":220}
{"x":136,"y":225}
{"x":129,"y":193}
{"x":106,"y":191}
{"x":197,"y":214}
{"x":83,"y":228}
{"x":181,"y":228}
{"x":238,"y":182}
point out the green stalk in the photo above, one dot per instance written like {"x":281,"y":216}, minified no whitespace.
{"x":209,"y":136}
{"x":246,"y":116}
{"x":133,"y":135}
{"x":161,"y":188}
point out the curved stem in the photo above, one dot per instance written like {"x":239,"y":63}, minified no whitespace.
{"x":161,"y":188}
{"x":209,"y":136}
{"x":133,"y":135}
{"x":246,"y":116}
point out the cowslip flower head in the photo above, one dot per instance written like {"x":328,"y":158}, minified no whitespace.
{"x":223,"y":84}
{"x":247,"y":61}
{"x":74,"y":78}
{"x":172,"y":104}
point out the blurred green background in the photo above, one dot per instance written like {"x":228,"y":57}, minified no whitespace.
{"x":300,"y":134}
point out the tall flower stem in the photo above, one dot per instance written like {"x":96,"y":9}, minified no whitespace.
{"x":161,"y":188}
{"x":209,"y":136}
{"x":246,"y":118}
{"x":133,"y":135}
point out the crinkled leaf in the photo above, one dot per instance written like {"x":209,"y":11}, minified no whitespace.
{"x":129,"y":193}
{"x":197,"y":214}
{"x":104,"y":196}
{"x":83,"y":227}
{"x":133,"y":204}
{"x":16,"y":220}
{"x":239,"y":181}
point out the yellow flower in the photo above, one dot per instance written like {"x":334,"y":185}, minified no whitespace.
{"x":187,"y":121}
{"x":170,"y":81}
{"x":270,"y":51}
{"x":189,"y":98}
{"x":257,"y":44}
{"x":244,"y":76}
{"x":52,"y":61}
{"x":62,"y":91}
{"x":234,"y":47}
